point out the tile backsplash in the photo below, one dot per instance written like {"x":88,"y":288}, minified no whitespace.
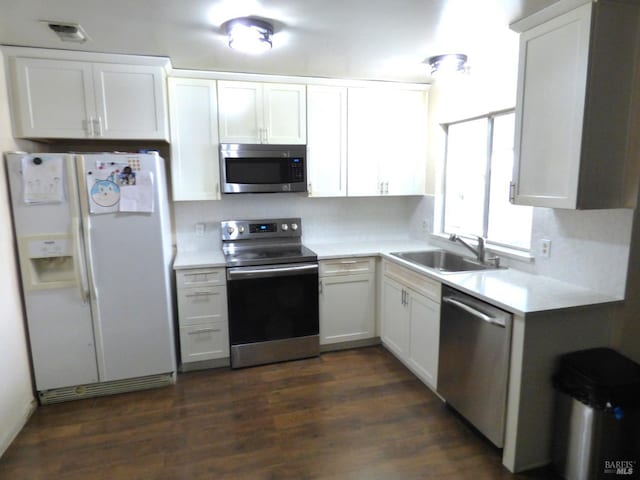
{"x":325,"y":220}
{"x":588,"y":248}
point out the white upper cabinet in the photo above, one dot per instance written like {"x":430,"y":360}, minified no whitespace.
{"x":253,"y":112}
{"x":130,"y":101}
{"x":573,"y":108}
{"x":387,"y":151}
{"x":327,"y":141}
{"x":76,"y":99}
{"x":193,"y":107}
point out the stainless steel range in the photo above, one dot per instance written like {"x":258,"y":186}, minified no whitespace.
{"x":272,"y":291}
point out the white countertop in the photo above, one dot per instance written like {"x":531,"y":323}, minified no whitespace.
{"x":199,"y":259}
{"x":513,"y":290}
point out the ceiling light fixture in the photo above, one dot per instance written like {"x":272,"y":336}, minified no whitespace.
{"x":449,"y":63}
{"x":249,"y":35}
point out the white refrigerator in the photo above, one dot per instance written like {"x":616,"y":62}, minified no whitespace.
{"x":94,"y":244}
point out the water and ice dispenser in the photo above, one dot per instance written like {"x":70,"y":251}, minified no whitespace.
{"x":48,"y":261}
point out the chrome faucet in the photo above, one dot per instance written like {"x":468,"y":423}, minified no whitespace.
{"x":478,"y":252}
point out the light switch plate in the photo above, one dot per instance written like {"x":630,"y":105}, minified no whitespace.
{"x":199,"y":229}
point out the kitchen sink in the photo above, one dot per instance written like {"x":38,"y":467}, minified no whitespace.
{"x":444,"y":261}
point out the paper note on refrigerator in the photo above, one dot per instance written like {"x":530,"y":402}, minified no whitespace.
{"x":104,"y":192}
{"x":138,"y":197}
{"x":42,"y":179}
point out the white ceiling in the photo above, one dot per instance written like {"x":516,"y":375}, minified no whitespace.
{"x":356,"y":39}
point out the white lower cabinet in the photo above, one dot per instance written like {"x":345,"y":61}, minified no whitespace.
{"x":411,"y":320}
{"x":202,"y":315}
{"x":347,"y":300}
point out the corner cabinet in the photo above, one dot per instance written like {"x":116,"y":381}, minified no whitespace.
{"x":387,"y":146}
{"x":327,"y":141}
{"x":252,"y":112}
{"x":347,"y":300}
{"x":195,"y":171}
{"x":574,"y":104}
{"x":202,"y":318}
{"x":411,"y":320}
{"x":75,"y":99}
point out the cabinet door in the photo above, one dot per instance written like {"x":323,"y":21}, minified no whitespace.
{"x":130,"y":102}
{"x":364,"y":148}
{"x":327,"y":141}
{"x":550,"y":109}
{"x":54,"y":98}
{"x":240,"y":110}
{"x":395,"y":318}
{"x":195,"y":172}
{"x":346,"y":308}
{"x":285,"y":114}
{"x":404,"y":163}
{"x":424,"y":337}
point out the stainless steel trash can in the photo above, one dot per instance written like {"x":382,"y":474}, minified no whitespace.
{"x":597,"y":417}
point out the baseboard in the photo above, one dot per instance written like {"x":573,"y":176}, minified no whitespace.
{"x":365,"y":342}
{"x":7,"y":439}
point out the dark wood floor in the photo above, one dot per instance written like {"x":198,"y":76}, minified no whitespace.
{"x":355,"y":414}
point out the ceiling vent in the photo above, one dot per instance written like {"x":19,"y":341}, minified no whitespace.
{"x":68,"y":32}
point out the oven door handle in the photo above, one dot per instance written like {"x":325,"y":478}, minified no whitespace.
{"x":276,"y":271}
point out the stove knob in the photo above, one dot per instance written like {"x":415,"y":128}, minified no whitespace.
{"x":230,"y":230}
{"x":294,"y":226}
{"x":284,"y":227}
{"x":240,"y":229}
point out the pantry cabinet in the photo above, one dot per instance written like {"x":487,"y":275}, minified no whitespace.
{"x":202,"y":317}
{"x":195,"y":171}
{"x":387,"y":148}
{"x":574,"y":104}
{"x":252,"y":112}
{"x":56,"y":98}
{"x":327,"y":141}
{"x":347,"y":300}
{"x":411,"y":320}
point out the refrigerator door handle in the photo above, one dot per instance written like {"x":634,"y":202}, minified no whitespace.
{"x":80,"y":269}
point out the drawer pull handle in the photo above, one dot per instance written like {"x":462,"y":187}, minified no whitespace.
{"x":200,"y":294}
{"x":348,"y":262}
{"x":203,"y":330}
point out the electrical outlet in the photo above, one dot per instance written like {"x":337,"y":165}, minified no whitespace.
{"x":199,"y":229}
{"x":545,"y":248}
{"x":425,"y":225}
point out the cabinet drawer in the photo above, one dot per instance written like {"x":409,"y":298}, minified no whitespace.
{"x":349,"y":265}
{"x":205,"y":341}
{"x":420,"y":283}
{"x":200,"y":276}
{"x":203,"y":304}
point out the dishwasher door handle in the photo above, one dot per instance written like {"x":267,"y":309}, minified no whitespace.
{"x":475,"y":312}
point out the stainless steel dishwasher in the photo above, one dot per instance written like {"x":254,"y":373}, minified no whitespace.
{"x":473,"y":363}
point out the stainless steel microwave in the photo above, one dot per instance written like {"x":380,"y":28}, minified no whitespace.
{"x":263,"y":168}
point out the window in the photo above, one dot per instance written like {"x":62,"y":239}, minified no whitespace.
{"x":478,"y":170}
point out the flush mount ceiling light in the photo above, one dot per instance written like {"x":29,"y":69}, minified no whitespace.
{"x":449,"y":63}
{"x":249,"y":35}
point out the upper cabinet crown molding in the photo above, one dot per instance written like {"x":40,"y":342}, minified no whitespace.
{"x":576,"y":108}
{"x":57,"y":96}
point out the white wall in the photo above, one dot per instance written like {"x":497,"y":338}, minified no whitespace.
{"x":324,"y":219}
{"x":16,"y":396}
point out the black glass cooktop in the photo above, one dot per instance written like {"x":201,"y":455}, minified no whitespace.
{"x":270,"y":256}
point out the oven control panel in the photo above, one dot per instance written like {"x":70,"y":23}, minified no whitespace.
{"x":266,"y":228}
